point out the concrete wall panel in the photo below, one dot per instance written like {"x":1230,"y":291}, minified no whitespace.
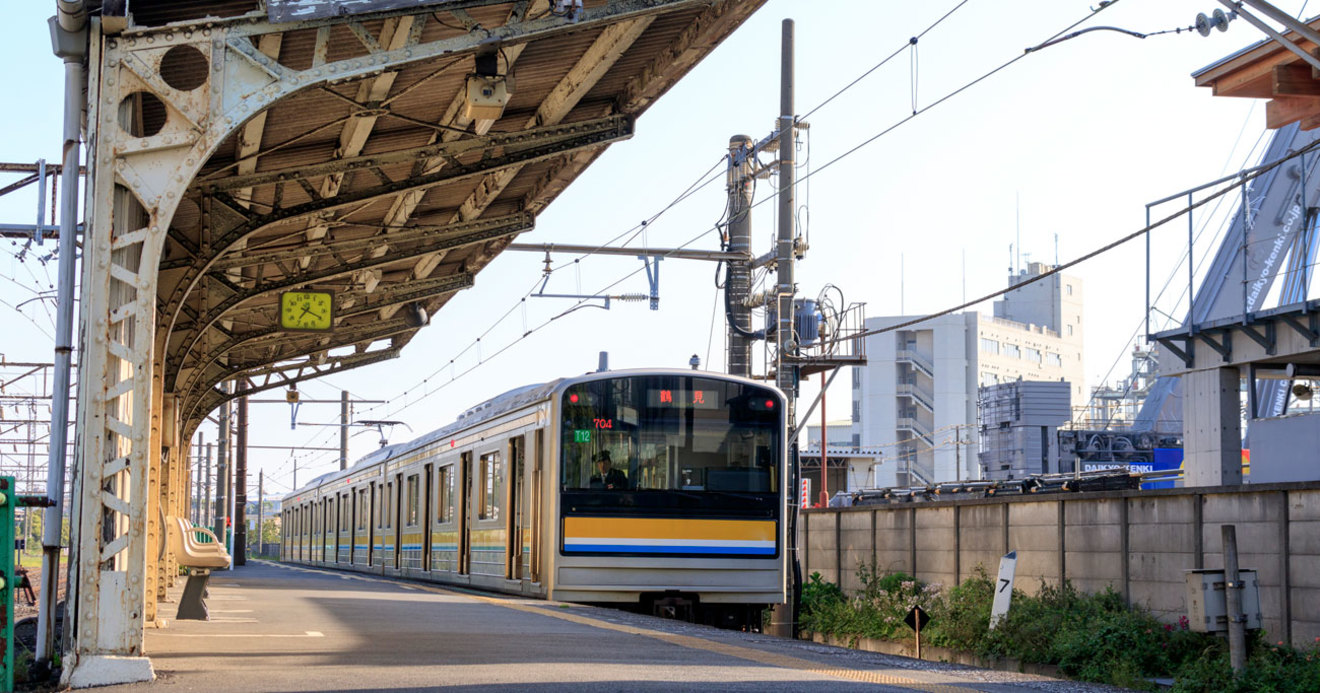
{"x":892,"y":539}
{"x":1033,"y":532}
{"x":936,"y":545}
{"x":855,"y":539}
{"x":982,"y":539}
{"x":1161,"y":538}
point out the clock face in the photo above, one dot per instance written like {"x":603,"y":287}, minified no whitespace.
{"x":306,"y":310}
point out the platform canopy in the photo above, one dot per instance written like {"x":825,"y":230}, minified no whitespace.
{"x":285,"y":189}
{"x":377,"y":187}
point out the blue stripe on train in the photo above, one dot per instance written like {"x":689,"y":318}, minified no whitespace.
{"x":634,"y":548}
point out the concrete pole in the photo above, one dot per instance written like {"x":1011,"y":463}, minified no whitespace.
{"x":197,"y":503}
{"x":785,"y":373}
{"x":957,"y":452}
{"x":343,"y":430}
{"x":222,"y":469}
{"x":824,"y":442}
{"x":1237,"y":626}
{"x":53,"y":516}
{"x":261,"y":509}
{"x":207,"y":511}
{"x":738,"y":279}
{"x":240,"y":485}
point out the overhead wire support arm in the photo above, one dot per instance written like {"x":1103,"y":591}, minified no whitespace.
{"x":668,"y":253}
{"x":650,"y":258}
{"x":1265,"y":8}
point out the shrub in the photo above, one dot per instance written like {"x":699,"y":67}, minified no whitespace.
{"x":1121,"y":647}
{"x":961,"y":619}
{"x":1270,"y":669}
{"x":1093,"y":637}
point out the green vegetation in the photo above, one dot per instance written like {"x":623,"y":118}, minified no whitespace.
{"x":1091,"y":637}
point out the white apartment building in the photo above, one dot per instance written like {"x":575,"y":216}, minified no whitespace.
{"x":916,"y":398}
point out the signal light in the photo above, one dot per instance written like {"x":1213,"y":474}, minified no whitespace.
{"x":769,"y":404}
{"x":573,"y":398}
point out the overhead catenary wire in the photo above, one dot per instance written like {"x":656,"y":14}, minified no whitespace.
{"x":1229,"y":187}
{"x":701,"y":182}
{"x":696,"y":186}
{"x":1174,"y":271}
{"x":704,"y":181}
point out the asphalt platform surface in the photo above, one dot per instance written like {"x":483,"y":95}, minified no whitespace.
{"x":284,"y":628}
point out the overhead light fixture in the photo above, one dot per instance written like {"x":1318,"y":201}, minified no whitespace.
{"x":1302,"y":391}
{"x":487,"y":90}
{"x":418,"y":315}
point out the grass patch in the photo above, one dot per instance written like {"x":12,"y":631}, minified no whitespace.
{"x":1091,"y":637}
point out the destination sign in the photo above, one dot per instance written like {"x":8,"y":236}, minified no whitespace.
{"x":683,"y":399}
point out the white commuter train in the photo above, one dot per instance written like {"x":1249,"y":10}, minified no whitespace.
{"x":510,"y":498}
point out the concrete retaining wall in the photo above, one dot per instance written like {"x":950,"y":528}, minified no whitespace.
{"x":1137,"y":542}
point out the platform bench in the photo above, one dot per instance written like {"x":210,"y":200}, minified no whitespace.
{"x":199,"y":557}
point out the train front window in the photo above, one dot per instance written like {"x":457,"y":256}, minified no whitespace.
{"x":670,"y":433}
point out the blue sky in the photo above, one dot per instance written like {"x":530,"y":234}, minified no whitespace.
{"x":1073,"y":140}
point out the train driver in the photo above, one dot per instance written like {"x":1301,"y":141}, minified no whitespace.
{"x":606,"y":476}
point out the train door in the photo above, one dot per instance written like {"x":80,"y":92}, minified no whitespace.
{"x":326,"y":503}
{"x":426,"y":517}
{"x":396,"y":515}
{"x":387,"y":525}
{"x":464,"y":513}
{"x":345,"y":523}
{"x":358,"y":554}
{"x":373,"y":521}
{"x":513,"y":554}
{"x":337,"y":518}
{"x":534,"y":505}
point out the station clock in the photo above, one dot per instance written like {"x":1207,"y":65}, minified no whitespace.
{"x":311,"y":311}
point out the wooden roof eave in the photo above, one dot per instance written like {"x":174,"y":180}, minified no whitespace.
{"x":1267,"y":70}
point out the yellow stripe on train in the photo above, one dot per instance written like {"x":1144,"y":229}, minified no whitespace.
{"x":670,"y":528}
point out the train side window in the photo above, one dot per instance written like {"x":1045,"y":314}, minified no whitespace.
{"x":387,"y":505}
{"x":444,"y":507}
{"x":490,"y":486}
{"x":362,"y":509}
{"x":412,"y":501}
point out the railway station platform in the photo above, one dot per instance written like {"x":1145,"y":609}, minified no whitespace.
{"x":282,"y":628}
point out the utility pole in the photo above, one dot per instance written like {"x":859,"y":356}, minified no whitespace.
{"x":68,"y":34}
{"x":201,"y":478}
{"x":240,"y":485}
{"x":824,"y":444}
{"x":957,"y":452}
{"x":1237,"y":627}
{"x":206,"y":499}
{"x":222,"y":469}
{"x":737,"y":278}
{"x":261,"y":511}
{"x":786,"y":374}
{"x":343,"y":431}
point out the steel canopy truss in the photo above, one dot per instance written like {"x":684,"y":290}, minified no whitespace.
{"x":234,"y":158}
{"x":402,"y":247}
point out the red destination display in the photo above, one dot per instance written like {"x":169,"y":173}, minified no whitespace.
{"x":683,"y":399}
